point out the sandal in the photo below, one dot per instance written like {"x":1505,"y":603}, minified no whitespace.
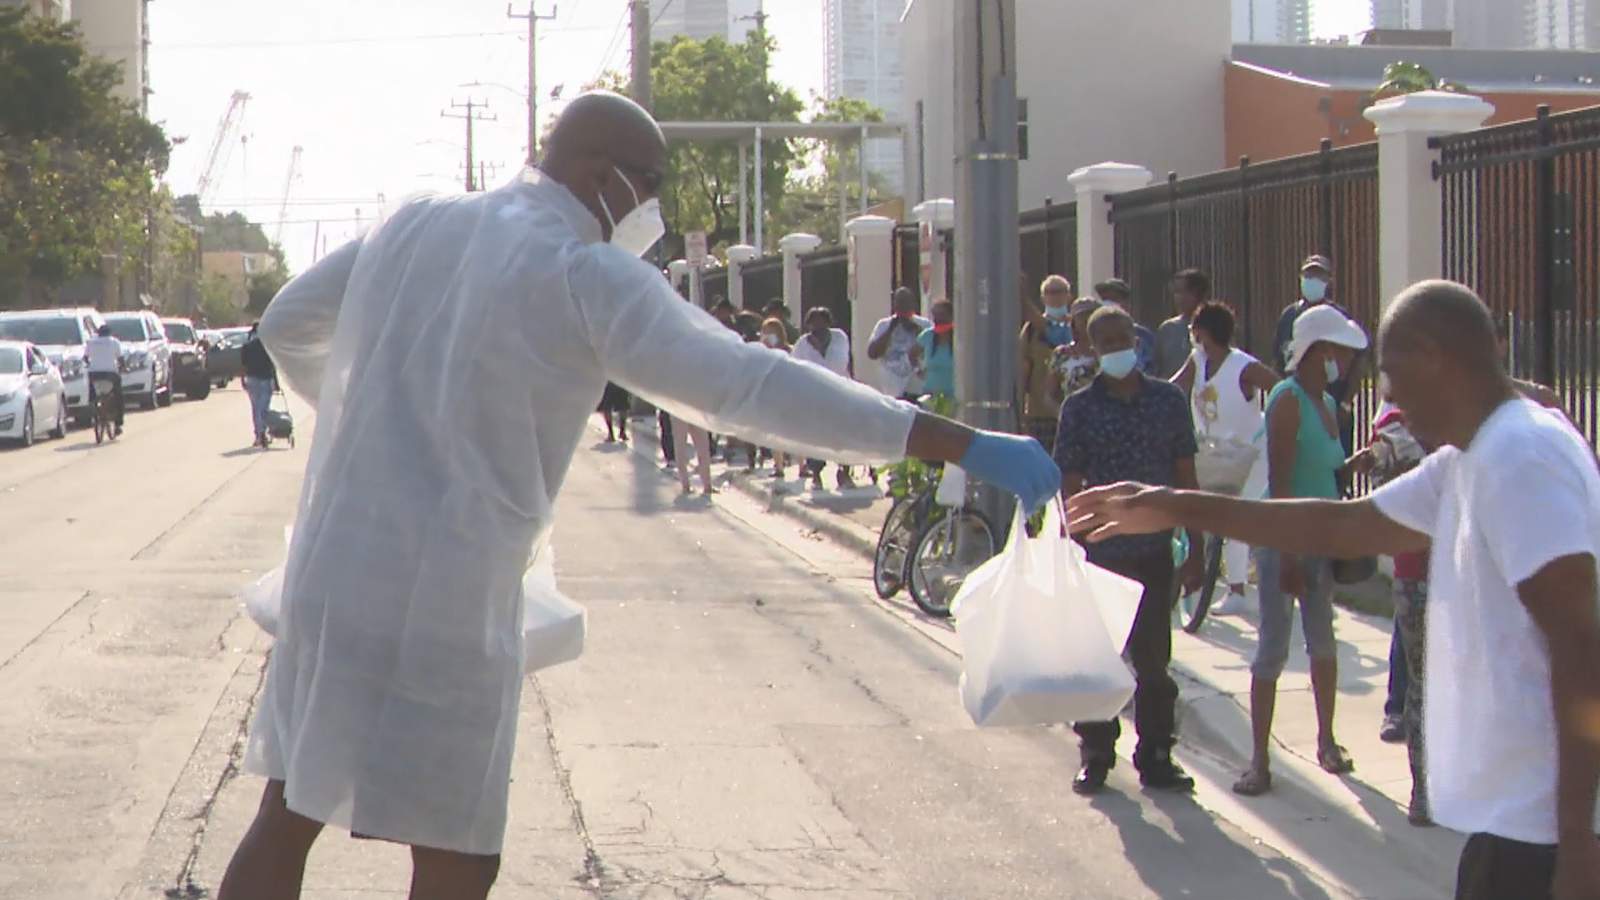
{"x":1335,"y":760}
{"x":1253,"y":783}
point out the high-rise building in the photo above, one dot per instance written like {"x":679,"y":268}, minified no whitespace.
{"x":862,"y":45}
{"x":59,"y":10}
{"x":730,"y":20}
{"x":1557,"y":24}
{"x":1430,"y":15}
{"x":119,"y":30}
{"x":1271,"y":21}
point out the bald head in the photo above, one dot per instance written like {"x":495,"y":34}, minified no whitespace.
{"x":1437,"y":347}
{"x":1445,"y":317}
{"x":609,"y":152}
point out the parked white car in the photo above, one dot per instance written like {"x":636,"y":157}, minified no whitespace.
{"x":147,"y":355}
{"x":61,"y":334}
{"x":31,"y":394}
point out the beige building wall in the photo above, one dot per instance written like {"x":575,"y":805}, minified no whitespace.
{"x":118,"y":30}
{"x":237,"y":267}
{"x":1104,"y":80}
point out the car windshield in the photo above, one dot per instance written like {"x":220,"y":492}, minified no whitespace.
{"x":235,"y":340}
{"x":45,"y":330}
{"x":10,"y":361}
{"x":178,"y":333}
{"x":126,"y":329}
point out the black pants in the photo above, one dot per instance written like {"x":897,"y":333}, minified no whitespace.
{"x":1155,"y":698}
{"x":1497,"y":868}
{"x":117,"y":404}
{"x":664,"y":432}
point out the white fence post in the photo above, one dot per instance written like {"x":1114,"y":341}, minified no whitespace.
{"x":1097,"y":257}
{"x":933,"y":218}
{"x":792,"y":246}
{"x":1410,"y":203}
{"x":738,"y":255}
{"x":870,"y":241}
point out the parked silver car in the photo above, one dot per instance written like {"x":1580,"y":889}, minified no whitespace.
{"x":147,"y":356}
{"x":31,"y":394}
{"x":60,"y":334}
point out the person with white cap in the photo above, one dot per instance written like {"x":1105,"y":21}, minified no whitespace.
{"x":1304,"y":459}
{"x":391,"y":699}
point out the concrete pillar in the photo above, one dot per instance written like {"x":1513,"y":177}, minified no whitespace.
{"x":1097,"y":248}
{"x":738,"y":255}
{"x":871,"y":244}
{"x":792,"y":246}
{"x":933,"y":217}
{"x":1410,"y":214}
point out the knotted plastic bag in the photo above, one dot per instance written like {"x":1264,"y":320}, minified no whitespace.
{"x":1042,"y":633}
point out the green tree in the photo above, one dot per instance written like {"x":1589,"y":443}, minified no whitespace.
{"x":78,"y":166}
{"x":813,"y":198}
{"x":218,"y":303}
{"x":714,"y":80}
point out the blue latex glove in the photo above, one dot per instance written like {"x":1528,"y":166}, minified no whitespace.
{"x":1014,"y":463}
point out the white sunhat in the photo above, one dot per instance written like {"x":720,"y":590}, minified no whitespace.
{"x":1323,"y":323}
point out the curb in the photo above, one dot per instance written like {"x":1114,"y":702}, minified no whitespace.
{"x":849,"y":535}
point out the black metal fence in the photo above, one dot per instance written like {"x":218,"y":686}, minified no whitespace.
{"x":824,"y":281}
{"x":1049,"y":246}
{"x":1521,"y":203}
{"x":714,"y":284}
{"x":1249,"y":228}
{"x":763,"y":281}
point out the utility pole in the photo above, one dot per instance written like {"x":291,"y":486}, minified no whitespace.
{"x":533,"y":18}
{"x":474,"y":113}
{"x":760,"y":18}
{"x":987,"y":245}
{"x":640,"y":85}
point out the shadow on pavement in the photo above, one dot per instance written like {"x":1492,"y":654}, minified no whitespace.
{"x":1158,"y":852}
{"x":242,"y":451}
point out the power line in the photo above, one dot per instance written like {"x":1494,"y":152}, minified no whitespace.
{"x":353,"y":39}
{"x":611,"y":48}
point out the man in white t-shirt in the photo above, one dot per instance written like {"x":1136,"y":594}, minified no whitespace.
{"x":103,"y":356}
{"x":891,"y":342}
{"x":1511,"y":505}
{"x":829,"y":347}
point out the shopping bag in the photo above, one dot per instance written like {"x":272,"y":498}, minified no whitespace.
{"x":553,"y":627}
{"x":1042,"y":631}
{"x":1222,"y":465}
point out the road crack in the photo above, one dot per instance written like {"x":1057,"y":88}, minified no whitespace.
{"x":594,"y":875}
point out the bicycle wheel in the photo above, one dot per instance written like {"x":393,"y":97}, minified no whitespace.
{"x":895,"y":541}
{"x":948,"y":550}
{"x":1192,"y":608}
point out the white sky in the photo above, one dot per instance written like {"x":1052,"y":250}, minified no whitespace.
{"x":360,"y":84}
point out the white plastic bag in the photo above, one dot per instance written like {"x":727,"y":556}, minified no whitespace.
{"x":952,"y":489}
{"x":553,"y":627}
{"x":1223,"y":465}
{"x":1042,"y":633}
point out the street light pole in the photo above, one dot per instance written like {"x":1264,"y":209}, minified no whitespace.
{"x":533,"y":18}
{"x":987,"y":244}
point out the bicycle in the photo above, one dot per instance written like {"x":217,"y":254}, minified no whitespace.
{"x":1192,"y":612}
{"x":105,"y":424}
{"x":930,"y":541}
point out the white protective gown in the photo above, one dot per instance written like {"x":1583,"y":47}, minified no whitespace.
{"x":454,"y":356}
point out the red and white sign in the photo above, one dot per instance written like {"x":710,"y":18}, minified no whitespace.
{"x":694,"y":247}
{"x":925,"y":256}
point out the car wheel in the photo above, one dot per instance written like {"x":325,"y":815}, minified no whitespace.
{"x":82,"y":420}
{"x":148,"y":401}
{"x":60,"y":431}
{"x":164,"y":398}
{"x":201,"y":392}
{"x":27,"y":426}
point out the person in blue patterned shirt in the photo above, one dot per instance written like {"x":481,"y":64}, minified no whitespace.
{"x":1127,"y":426}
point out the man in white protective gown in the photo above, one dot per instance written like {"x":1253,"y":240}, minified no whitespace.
{"x":454,"y":355}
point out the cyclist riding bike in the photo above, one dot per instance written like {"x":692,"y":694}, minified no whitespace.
{"x":103,"y":353}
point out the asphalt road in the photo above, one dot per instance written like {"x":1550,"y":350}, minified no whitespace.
{"x":746,"y":722}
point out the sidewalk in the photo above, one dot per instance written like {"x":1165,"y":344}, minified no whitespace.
{"x":1320,"y":819}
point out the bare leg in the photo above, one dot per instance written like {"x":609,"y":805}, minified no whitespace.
{"x":1324,"y":690}
{"x":271,"y":860}
{"x":444,"y":875}
{"x":702,"y":450}
{"x":611,"y":431}
{"x":1263,"y":704}
{"x":681,"y":443}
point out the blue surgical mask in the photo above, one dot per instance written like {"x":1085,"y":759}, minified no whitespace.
{"x":1120,"y":363}
{"x":1313,"y":289}
{"x":1057,"y":333}
{"x":1056,"y":313}
{"x":1330,"y":369}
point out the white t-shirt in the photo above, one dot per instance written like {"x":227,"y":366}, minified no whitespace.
{"x":898,"y":376}
{"x":836,"y":360}
{"x":1524,"y":493}
{"x":102,"y":353}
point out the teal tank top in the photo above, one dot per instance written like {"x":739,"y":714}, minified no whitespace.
{"x":1318,"y":454}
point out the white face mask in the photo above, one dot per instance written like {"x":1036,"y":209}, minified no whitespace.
{"x":1056,"y":313}
{"x":639,"y":230}
{"x":771,"y":340}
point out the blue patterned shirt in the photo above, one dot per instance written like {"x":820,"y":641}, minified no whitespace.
{"x":1107,"y":439}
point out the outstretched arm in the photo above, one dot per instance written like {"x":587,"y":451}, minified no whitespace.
{"x":298,"y":325}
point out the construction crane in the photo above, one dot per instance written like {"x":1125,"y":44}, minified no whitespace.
{"x":221,"y":145}
{"x":288,"y":186}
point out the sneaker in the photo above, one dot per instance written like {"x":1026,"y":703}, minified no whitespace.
{"x":846,"y":482}
{"x":1393,"y":730}
{"x":1091,"y":779}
